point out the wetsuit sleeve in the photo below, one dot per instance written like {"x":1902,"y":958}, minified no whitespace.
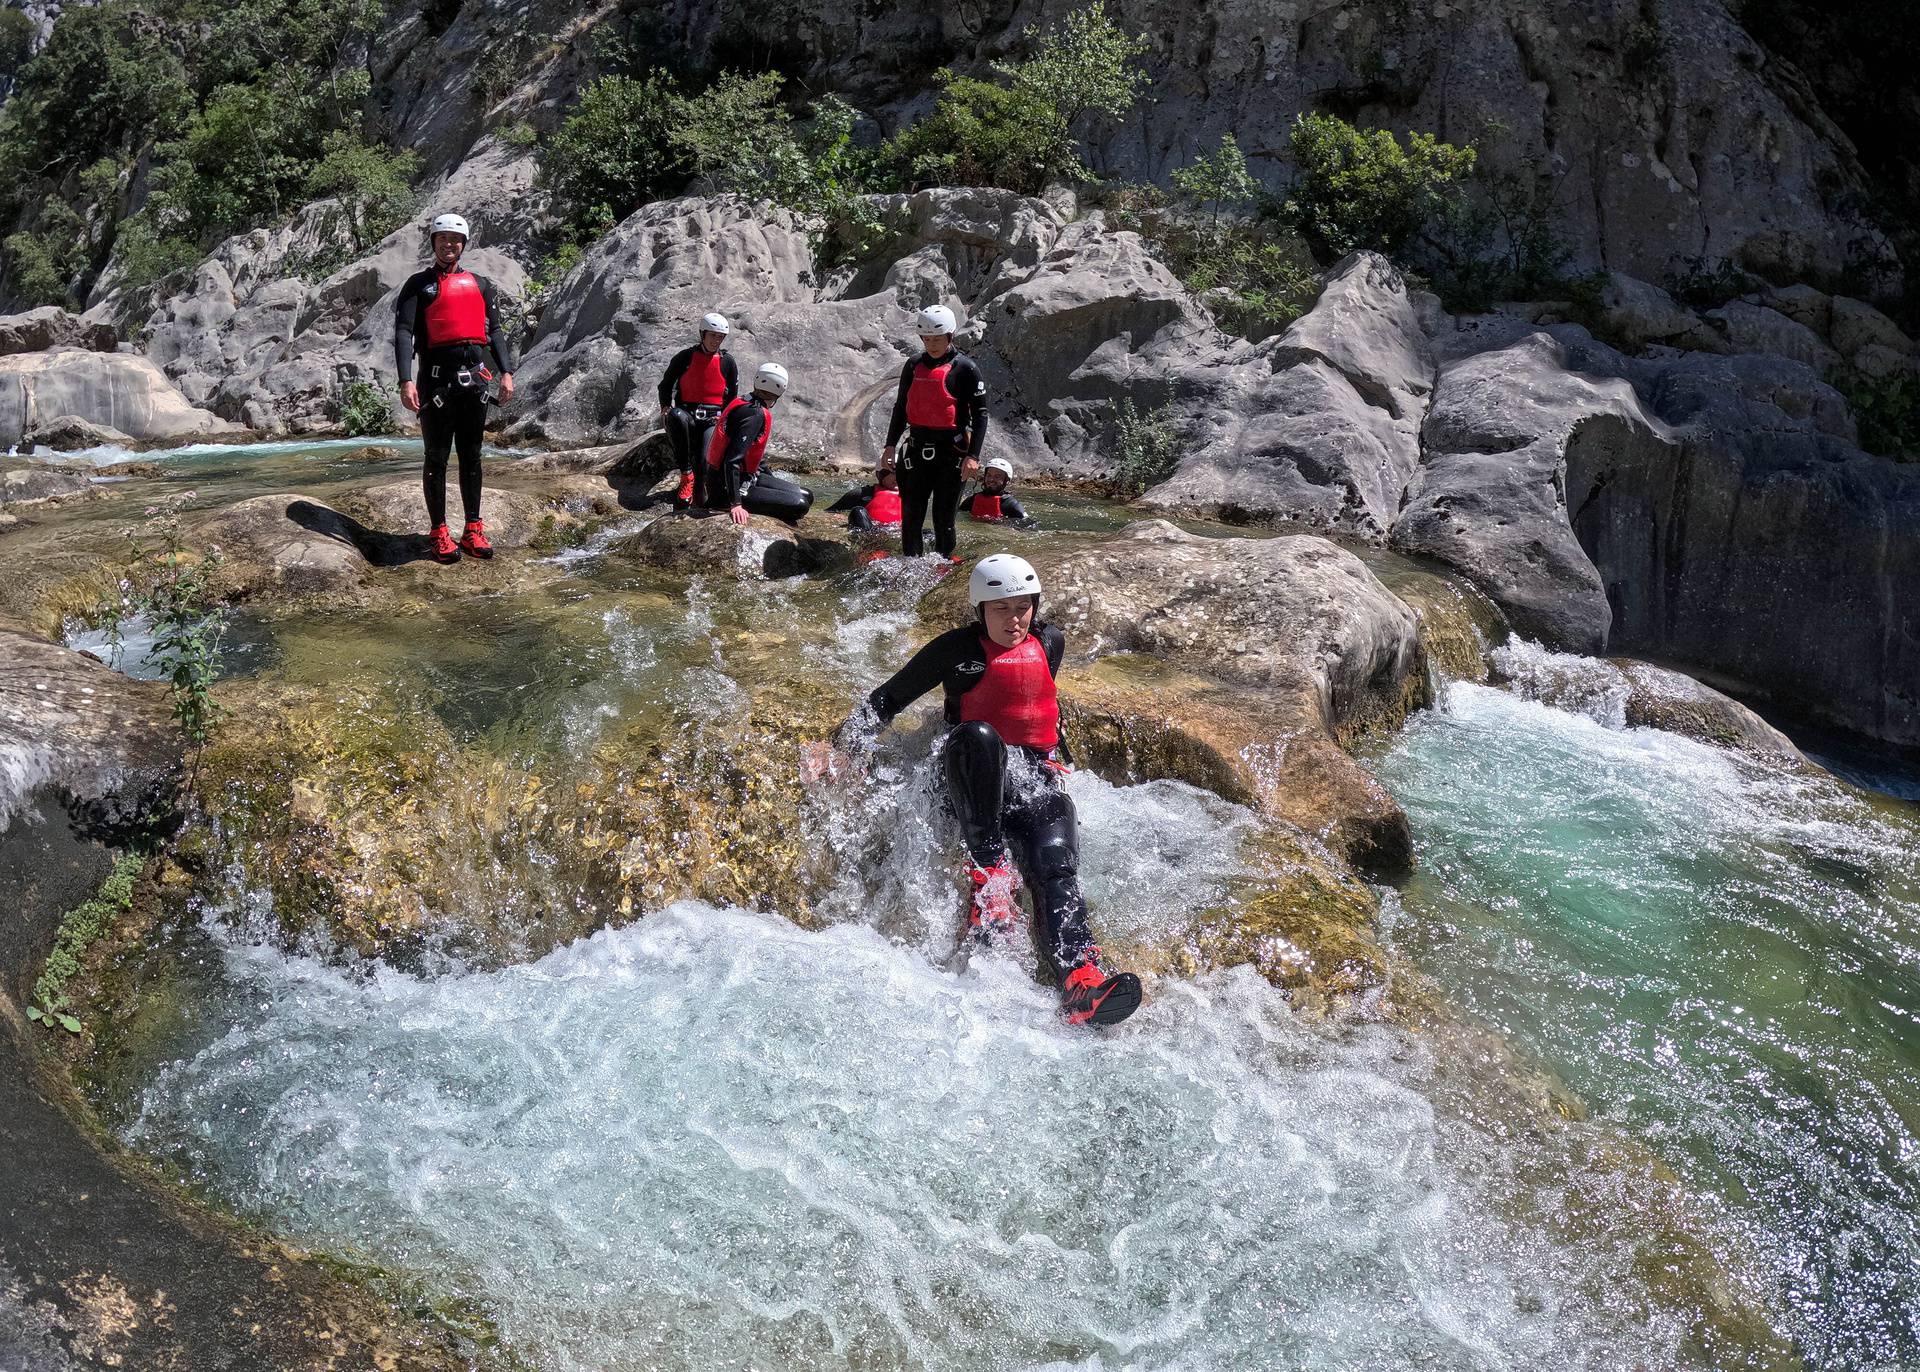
{"x":743,"y":429}
{"x":898,"y":424}
{"x":969,"y":391}
{"x":496,"y":335}
{"x":406,"y":327}
{"x":1013,"y":509}
{"x":671,"y":377}
{"x":853,"y":500}
{"x":934,"y":665}
{"x":731,"y":371}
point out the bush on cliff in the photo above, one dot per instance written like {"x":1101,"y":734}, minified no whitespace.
{"x":615,"y":152}
{"x":1359,"y":188}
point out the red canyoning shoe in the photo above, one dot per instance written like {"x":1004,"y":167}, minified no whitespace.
{"x":685,"y":493}
{"x":994,"y":912}
{"x":441,"y":544}
{"x":1090,"y":996}
{"x":474,"y":541}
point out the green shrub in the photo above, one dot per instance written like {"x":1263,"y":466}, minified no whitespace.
{"x":146,"y":255}
{"x":43,"y":264}
{"x":79,"y":930}
{"x":1219,"y":179}
{"x":980,"y":134}
{"x":372,"y":182}
{"x":1706,"y":283}
{"x":616,"y":151}
{"x":1146,"y":450}
{"x":1887,"y":410}
{"x":365,"y":408}
{"x":1498,"y":239}
{"x":1357,"y":189}
{"x":1087,"y":64}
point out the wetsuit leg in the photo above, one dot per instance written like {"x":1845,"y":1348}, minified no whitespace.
{"x":700,"y":434}
{"x":470,"y":430}
{"x":976,"y":762}
{"x":859,"y":521}
{"x":1045,"y":837}
{"x":773,"y":495}
{"x":946,"y":501}
{"x":679,"y":428}
{"x":436,"y":435}
{"x":916,"y":489}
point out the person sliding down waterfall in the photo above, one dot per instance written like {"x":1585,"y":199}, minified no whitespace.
{"x":942,"y":408}
{"x":991,"y":504}
{"x":449,"y":317}
{"x":700,"y":381}
{"x":1005,"y":761}
{"x":736,"y":482}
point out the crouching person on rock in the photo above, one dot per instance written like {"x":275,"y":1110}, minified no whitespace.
{"x":450,"y":319}
{"x":1005,"y":766}
{"x":736,"y":482}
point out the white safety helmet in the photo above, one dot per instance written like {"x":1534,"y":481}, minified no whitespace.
{"x":772,"y":377}
{"x":449,"y":223}
{"x":715,"y":323}
{"x":934,"y":319}
{"x":1000,"y":464}
{"x":1001,"y":577}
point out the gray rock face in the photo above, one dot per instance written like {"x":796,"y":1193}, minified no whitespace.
{"x":68,"y":434}
{"x":1638,"y":314}
{"x":52,"y":327}
{"x":1750,"y":328}
{"x":116,"y":390}
{"x":71,"y":725}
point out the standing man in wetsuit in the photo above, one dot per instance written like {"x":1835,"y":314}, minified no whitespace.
{"x":943,"y":402}
{"x":736,"y":482}
{"x":1004,"y":762}
{"x":700,"y":381}
{"x":449,"y":318}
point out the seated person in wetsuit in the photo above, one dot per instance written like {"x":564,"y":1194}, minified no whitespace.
{"x":991,"y":503}
{"x":1004,"y":762}
{"x":736,"y":482}
{"x":700,"y":381}
{"x":872,"y":507}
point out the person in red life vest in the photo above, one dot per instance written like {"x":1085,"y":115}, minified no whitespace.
{"x":941,"y":407}
{"x":991,"y":504}
{"x":700,"y":382}
{"x":875,"y":507}
{"x":1004,"y":761}
{"x":736,"y":481}
{"x":449,"y":318}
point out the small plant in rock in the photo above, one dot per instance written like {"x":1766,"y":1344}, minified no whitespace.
{"x":1218,"y":180}
{"x":1887,"y":409}
{"x":365,"y":408}
{"x":171,"y":588}
{"x":1147,"y":449}
{"x":1706,"y":283}
{"x":84,"y":924}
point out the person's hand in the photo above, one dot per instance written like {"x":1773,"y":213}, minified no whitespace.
{"x":665,"y":410}
{"x":506,"y":387}
{"x":969,"y":468}
{"x":410,"y":395}
{"x":823,"y":762}
{"x":886,"y":456}
{"x":738,"y":514}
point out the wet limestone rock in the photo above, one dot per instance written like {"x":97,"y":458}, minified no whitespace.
{"x":1661,"y":698}
{"x":70,"y":725}
{"x":398,"y":509}
{"x":119,"y":390}
{"x":27,"y":484}
{"x":69,"y":434}
{"x":49,"y":326}
{"x":284,"y":543}
{"x":711,"y":542}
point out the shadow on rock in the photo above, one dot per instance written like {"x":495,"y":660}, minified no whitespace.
{"x":378,"y":548}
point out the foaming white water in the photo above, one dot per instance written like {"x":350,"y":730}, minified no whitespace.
{"x":714,"y":1140}
{"x":133,"y":654}
{"x":1587,"y":686}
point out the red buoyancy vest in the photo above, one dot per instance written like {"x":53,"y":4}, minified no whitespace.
{"x":718,"y":447}
{"x":457,"y":313}
{"x":884,"y":508}
{"x":984,"y":506}
{"x":703,"y":383}
{"x":929,"y":406}
{"x":1016,"y":695}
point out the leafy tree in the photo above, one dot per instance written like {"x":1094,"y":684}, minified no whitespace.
{"x":1219,"y":178}
{"x":980,"y":134}
{"x":44,"y":263}
{"x":1359,"y":189}
{"x":616,"y":151}
{"x":372,"y":183}
{"x":146,"y":255}
{"x":1086,"y":65}
{"x":17,"y":33}
{"x":242,"y":159}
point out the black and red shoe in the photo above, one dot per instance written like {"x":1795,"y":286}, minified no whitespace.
{"x":474,"y":541}
{"x":1090,"y":996}
{"x":442,"y":546}
{"x":995,"y":913}
{"x":684,"y":496}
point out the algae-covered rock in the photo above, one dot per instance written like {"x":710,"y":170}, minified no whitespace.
{"x":709,"y":542}
{"x":400,"y":508}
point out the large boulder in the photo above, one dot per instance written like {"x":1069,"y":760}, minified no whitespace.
{"x":1490,"y":497}
{"x":49,"y":326}
{"x":1750,"y":328}
{"x":34,"y":483}
{"x":70,"y":434}
{"x":712,"y":543}
{"x":285,"y":543}
{"x":513,"y":518}
{"x":120,"y":390}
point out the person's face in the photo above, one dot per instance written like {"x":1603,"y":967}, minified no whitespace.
{"x":447,"y":248}
{"x":711,"y":340}
{"x":936,"y":344}
{"x":994,"y":480}
{"x":1008,"y":621}
{"x":886,"y":479}
{"x":768,"y":398}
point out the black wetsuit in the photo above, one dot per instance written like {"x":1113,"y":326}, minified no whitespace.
{"x":450,"y":413}
{"x":1007,"y":797}
{"x":689,"y":424}
{"x":854,"y":505}
{"x":764,"y":492}
{"x":980,"y":502}
{"x":929,"y":461}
